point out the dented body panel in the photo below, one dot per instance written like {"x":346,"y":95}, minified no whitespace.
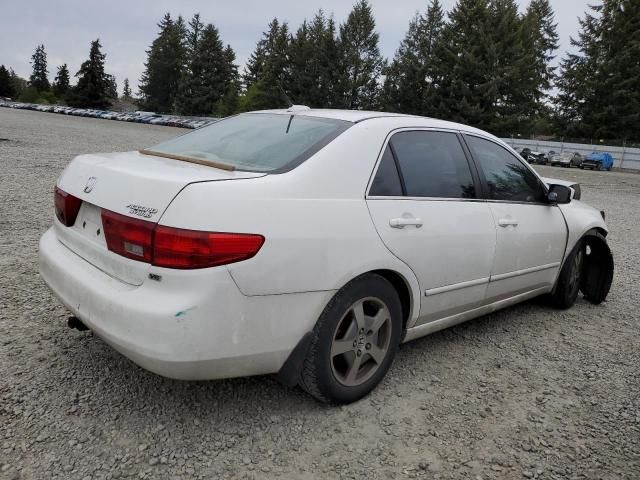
{"x":580,"y":219}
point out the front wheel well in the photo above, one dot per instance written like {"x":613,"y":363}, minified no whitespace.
{"x":597,"y":266}
{"x":599,"y":230}
{"x":400,"y":285}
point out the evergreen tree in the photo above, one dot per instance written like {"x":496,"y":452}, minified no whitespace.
{"x":126,"y":89}
{"x":509,"y":69}
{"x":6,"y":84}
{"x":93,"y":87}
{"x":467,"y":90}
{"x":540,"y":40}
{"x":228,"y":103}
{"x":38,"y":77}
{"x":314,"y":54}
{"x":304,"y":72}
{"x":213,"y":71}
{"x":361,"y":60}
{"x":61,"y":82}
{"x":163,"y":68}
{"x":413,"y":77}
{"x":112,"y":87}
{"x":600,"y":84}
{"x":267,"y":75}
{"x":191,"y":78}
{"x":19,"y":83}
{"x":616,"y":109}
{"x":254,"y":65}
{"x":540,"y":25}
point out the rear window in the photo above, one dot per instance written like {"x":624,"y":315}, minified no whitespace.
{"x":256,"y":142}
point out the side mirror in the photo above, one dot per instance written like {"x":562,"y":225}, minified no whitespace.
{"x":559,"y":194}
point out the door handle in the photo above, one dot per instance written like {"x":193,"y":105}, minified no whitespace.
{"x":403,"y":222}
{"x":507,"y":222}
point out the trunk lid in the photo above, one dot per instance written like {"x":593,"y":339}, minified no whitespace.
{"x":132,"y":184}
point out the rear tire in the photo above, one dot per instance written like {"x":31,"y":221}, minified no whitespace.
{"x":354,"y":341}
{"x":568,"y":286}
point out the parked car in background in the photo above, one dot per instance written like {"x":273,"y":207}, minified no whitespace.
{"x":139,"y":116}
{"x":311,"y":243}
{"x":539,"y":158}
{"x":598,"y":161}
{"x":566,"y":159}
{"x":525,"y":153}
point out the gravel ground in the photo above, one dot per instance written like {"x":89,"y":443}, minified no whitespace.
{"x":527,"y":392}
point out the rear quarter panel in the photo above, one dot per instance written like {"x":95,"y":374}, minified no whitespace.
{"x":317,"y":228}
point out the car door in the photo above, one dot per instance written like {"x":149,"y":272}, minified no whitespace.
{"x":424,"y":203}
{"x":531,"y":232}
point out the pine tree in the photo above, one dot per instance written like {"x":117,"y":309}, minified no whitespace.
{"x":6,"y":84}
{"x":191,"y":77}
{"x":510,"y":67}
{"x":229,"y":102}
{"x":544,"y":41}
{"x":600,"y":85}
{"x":126,"y":89}
{"x":267,"y":75}
{"x":468,"y":91}
{"x":217,"y":71}
{"x":19,"y":83}
{"x":112,"y":87}
{"x":313,"y":55}
{"x":163,"y":68}
{"x":210,"y":72}
{"x":617,"y":109}
{"x":413,"y":77}
{"x":255,"y":65}
{"x":540,"y":41}
{"x":61,"y":82}
{"x":92,"y":90}
{"x":38,"y":77}
{"x":361,"y":59}
{"x":304,"y":70}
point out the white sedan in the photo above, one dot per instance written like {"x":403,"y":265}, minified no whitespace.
{"x":310,"y":243}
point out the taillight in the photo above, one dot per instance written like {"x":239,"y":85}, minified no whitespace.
{"x":67,"y":206}
{"x":179,"y":248}
{"x":126,"y":236}
{"x":175,"y":247}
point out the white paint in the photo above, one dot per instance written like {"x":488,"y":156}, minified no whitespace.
{"x":321,"y":232}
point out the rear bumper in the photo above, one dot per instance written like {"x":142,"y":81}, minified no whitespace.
{"x":190,"y":325}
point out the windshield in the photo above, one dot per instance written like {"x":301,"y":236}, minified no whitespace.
{"x":257,"y":142}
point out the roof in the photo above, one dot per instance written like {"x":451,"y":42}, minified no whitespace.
{"x":348,"y":115}
{"x":357,"y":116}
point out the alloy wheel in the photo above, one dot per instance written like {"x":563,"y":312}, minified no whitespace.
{"x":361,"y":341}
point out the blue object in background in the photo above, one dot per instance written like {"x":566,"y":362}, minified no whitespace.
{"x":598,"y":159}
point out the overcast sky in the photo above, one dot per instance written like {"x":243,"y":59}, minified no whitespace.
{"x":127,"y":28}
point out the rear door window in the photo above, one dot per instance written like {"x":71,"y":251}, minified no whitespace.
{"x":433,"y":164}
{"x":386,"y":183}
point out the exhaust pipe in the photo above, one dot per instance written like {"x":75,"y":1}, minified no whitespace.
{"x":75,"y":322}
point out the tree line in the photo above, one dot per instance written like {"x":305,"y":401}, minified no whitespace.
{"x":483,"y":63}
{"x":94,"y":88}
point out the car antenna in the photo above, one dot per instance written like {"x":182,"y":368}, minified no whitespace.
{"x":289,"y":101}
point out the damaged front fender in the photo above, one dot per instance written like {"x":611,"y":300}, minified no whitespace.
{"x":597,"y":267}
